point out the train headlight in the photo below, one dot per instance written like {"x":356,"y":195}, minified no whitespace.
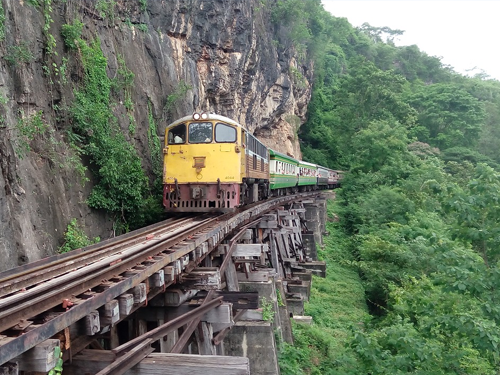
{"x":196,"y":116}
{"x":204,"y":116}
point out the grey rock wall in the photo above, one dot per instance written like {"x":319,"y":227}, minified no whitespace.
{"x":225,"y":51}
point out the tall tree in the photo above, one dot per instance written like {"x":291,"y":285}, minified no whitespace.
{"x":448,"y":116}
{"x":476,"y":208}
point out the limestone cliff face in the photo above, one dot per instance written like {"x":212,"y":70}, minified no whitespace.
{"x":186,"y":55}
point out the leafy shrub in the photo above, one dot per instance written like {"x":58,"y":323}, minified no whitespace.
{"x":2,"y":22}
{"x":75,"y":238}
{"x":27,"y":128}
{"x":106,"y":8}
{"x":267,"y":309}
{"x":18,"y":54}
{"x":122,"y":185}
{"x":71,"y":34}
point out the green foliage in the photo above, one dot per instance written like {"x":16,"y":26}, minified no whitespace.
{"x":46,"y":7}
{"x":180,"y":92}
{"x":313,"y":352}
{"x":143,"y":4}
{"x":47,"y":15}
{"x":477,"y":212}
{"x":57,"y":73}
{"x":18,"y":54}
{"x":58,"y":368}
{"x":131,"y":124}
{"x":34,"y":3}
{"x":430,"y":330}
{"x":297,"y":78}
{"x":28,"y":127}
{"x":143,"y":27}
{"x":463,"y":154}
{"x":71,"y":33}
{"x":121,"y":182}
{"x":75,"y":238}
{"x":378,"y":34}
{"x":488,"y":92}
{"x":62,"y":72}
{"x":124,"y":80}
{"x":379,"y":144}
{"x":336,"y":304}
{"x":155,"y":149}
{"x":106,"y":8}
{"x":448,"y":116}
{"x":2,"y":23}
{"x":31,"y":127}
{"x":416,"y":65}
{"x":367,"y":96}
{"x":301,"y":26}
{"x":267,"y":309}
{"x":384,"y":206}
{"x":418,"y":213}
{"x":281,"y":303}
{"x":68,"y":158}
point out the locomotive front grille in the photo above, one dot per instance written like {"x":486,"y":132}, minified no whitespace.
{"x":202,"y":198}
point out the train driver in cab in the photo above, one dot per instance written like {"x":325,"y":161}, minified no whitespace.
{"x":177,"y":135}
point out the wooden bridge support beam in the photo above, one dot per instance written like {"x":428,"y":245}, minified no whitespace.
{"x":93,"y":361}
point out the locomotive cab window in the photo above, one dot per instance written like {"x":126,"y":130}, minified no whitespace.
{"x":224,"y":133}
{"x":177,"y":135}
{"x":200,"y":132}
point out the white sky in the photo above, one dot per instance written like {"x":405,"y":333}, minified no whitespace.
{"x":464,"y":33}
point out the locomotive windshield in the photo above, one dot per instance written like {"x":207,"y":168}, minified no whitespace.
{"x":224,"y":133}
{"x":200,"y":132}
{"x":177,"y":135}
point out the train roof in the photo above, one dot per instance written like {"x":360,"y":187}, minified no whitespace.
{"x":286,"y":157}
{"x":331,"y":170}
{"x":210,"y":117}
{"x":281,"y":155}
{"x":307,"y":164}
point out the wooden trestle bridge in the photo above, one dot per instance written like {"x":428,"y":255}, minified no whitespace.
{"x":153,"y":300}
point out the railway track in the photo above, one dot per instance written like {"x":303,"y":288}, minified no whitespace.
{"x":47,"y":285}
{"x":51,"y":283}
{"x":38,"y":272}
{"x":72,"y":285}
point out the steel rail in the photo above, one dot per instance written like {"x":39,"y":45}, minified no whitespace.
{"x":15,"y":346}
{"x":113,"y":255}
{"x":47,"y":295}
{"x":33,"y":266}
{"x":51,"y":267}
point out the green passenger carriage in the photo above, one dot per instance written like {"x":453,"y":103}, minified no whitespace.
{"x":283,"y":171}
{"x":308,"y":174}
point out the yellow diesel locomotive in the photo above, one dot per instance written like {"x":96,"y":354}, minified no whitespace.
{"x":212,"y":163}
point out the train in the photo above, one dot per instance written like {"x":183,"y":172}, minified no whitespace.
{"x":212,"y":163}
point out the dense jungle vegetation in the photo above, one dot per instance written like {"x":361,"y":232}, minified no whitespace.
{"x":413,"y":259}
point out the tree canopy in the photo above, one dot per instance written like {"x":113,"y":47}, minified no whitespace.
{"x":418,"y":208}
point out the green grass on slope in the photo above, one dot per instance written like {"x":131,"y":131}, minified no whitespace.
{"x":337,"y":303}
